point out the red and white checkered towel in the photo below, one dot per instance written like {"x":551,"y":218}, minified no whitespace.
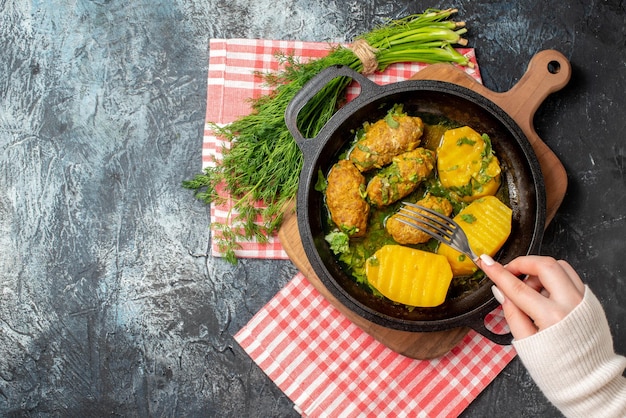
{"x":329,"y":367}
{"x":325,"y":364}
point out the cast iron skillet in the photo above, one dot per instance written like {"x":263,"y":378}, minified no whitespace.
{"x":522,"y":176}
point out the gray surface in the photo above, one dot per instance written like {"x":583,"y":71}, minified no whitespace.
{"x":109,"y":304}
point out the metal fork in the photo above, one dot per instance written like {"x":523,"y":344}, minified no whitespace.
{"x":438,"y":226}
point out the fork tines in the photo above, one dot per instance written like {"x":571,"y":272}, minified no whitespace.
{"x":429,"y":221}
{"x":436,"y":225}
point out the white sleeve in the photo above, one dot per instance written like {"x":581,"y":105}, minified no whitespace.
{"x":574,"y":364}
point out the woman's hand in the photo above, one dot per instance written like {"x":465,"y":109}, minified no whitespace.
{"x":551,"y":290}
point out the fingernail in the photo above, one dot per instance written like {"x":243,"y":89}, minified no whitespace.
{"x":497,"y":294}
{"x":487,"y":260}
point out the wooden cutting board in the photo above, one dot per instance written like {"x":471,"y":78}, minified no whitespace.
{"x":548,"y":71}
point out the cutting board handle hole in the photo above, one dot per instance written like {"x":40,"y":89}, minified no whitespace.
{"x":554,"y":67}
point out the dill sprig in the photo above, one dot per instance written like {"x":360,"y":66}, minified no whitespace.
{"x":260,"y":169}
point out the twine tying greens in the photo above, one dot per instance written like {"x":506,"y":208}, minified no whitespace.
{"x":366,"y":54}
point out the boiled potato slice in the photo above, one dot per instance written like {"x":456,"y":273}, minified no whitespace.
{"x":409,"y":276}
{"x":487,"y":224}
{"x":466,"y":164}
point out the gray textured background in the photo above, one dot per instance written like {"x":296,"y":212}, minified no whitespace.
{"x":109,"y":302}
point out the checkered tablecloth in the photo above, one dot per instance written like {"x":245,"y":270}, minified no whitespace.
{"x":325,"y":364}
{"x":329,"y":367}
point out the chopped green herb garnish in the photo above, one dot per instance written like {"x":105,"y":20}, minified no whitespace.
{"x":468,"y":218}
{"x":488,"y":151}
{"x":363,"y":190}
{"x":339,"y":242}
{"x":465,"y":141}
{"x":391,"y":121}
{"x":321,"y":184}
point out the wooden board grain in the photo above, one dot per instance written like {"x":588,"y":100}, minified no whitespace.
{"x":547,"y":72}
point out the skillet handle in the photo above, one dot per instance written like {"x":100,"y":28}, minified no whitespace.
{"x":478,"y":325}
{"x":314,"y":86}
